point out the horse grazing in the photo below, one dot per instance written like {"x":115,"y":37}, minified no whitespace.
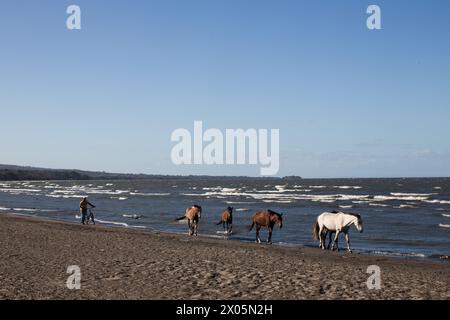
{"x":336,"y":221}
{"x":227,"y":220}
{"x":266,"y":219}
{"x":192,"y":215}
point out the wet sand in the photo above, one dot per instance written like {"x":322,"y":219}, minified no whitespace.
{"x":118,"y":263}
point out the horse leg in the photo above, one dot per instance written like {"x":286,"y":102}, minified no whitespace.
{"x":329,"y":241}
{"x":269,"y":239}
{"x":347,"y":238}
{"x":196,"y":228}
{"x":335,"y":242}
{"x":321,"y":242}
{"x":189,"y":227}
{"x":258,"y":240}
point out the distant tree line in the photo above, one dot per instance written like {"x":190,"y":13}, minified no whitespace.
{"x":21,"y":175}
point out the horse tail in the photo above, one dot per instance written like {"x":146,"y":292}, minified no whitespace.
{"x":180,"y":218}
{"x":316,"y":231}
{"x":251,"y":227}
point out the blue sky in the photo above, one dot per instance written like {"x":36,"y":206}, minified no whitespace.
{"x":349,"y":102}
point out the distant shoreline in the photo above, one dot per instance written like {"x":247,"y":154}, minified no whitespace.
{"x":28,"y":173}
{"x":118,"y":263}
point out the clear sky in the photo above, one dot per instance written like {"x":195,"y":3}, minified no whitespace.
{"x":349,"y":102}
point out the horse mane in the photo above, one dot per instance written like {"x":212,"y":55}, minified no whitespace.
{"x":273,"y":212}
{"x":349,"y":213}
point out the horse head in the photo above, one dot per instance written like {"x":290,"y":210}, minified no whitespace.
{"x":230,"y":209}
{"x":359,"y":223}
{"x":199,"y":209}
{"x":276,"y":217}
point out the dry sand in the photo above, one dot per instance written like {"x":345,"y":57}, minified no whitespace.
{"x":131,"y":264}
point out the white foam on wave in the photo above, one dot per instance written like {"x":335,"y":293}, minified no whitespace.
{"x":132,"y":216}
{"x":150,"y":194}
{"x":399,"y":254}
{"x":444,"y":225}
{"x":240,"y":202}
{"x":404,"y":194}
{"x":401,"y":198}
{"x":17,"y":190}
{"x":123,"y":224}
{"x":446,"y":215}
{"x":347,"y":187}
{"x":378,"y":205}
{"x":346,"y":207}
{"x":437,"y":201}
{"x":278,"y":201}
{"x":65,"y":196}
{"x":405,"y":206}
{"x":229,"y":189}
{"x":120,"y":198}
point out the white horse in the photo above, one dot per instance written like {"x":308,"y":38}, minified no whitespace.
{"x":336,"y":222}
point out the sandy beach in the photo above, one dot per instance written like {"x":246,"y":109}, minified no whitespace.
{"x":120,"y":263}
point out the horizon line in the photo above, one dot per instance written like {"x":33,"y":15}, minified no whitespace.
{"x":219,"y":176}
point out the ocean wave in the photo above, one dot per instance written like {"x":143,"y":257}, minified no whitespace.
{"x":123,"y":224}
{"x":406,"y":206}
{"x":33,"y":210}
{"x":240,"y":202}
{"x":19,"y":190}
{"x":378,"y":205}
{"x":281,"y":195}
{"x":444,"y":225}
{"x":347,"y":187}
{"x":346,"y":207}
{"x":278,"y":201}
{"x":446,"y":215}
{"x":65,"y":196}
{"x":398,"y":254}
{"x":150,"y":194}
{"x":133,"y":216}
{"x":437,"y":201}
{"x":400,"y":198}
{"x":404,"y":194}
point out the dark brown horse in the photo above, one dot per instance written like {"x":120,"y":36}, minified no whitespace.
{"x":266,"y":219}
{"x":192,"y":215}
{"x":227,"y":220}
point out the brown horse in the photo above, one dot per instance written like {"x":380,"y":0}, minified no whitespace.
{"x":227,"y":220}
{"x":192,"y":215}
{"x":266,"y":219}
